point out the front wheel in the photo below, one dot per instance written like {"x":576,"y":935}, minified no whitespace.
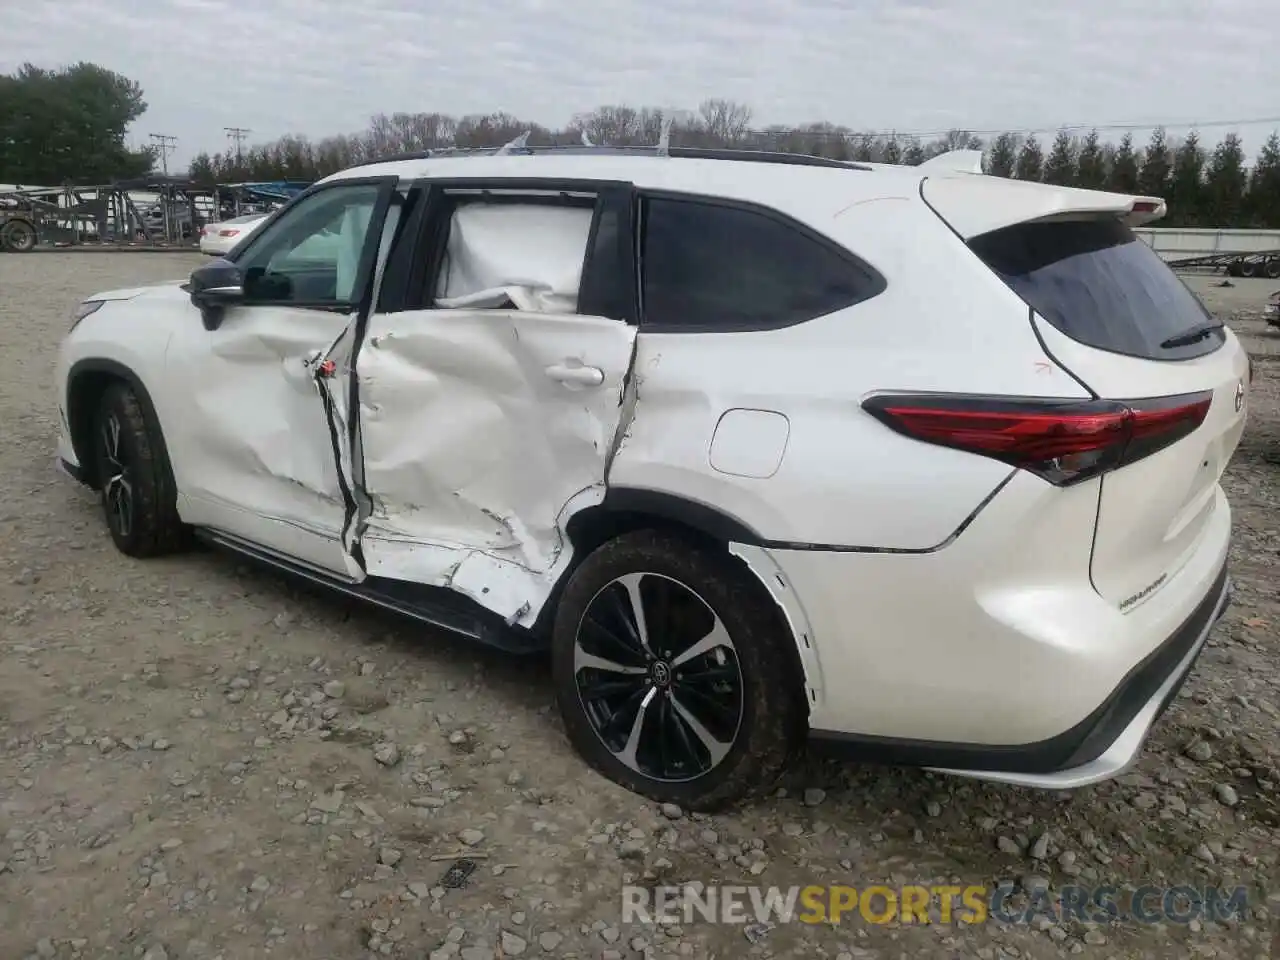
{"x":674,"y":674}
{"x":136,"y":484}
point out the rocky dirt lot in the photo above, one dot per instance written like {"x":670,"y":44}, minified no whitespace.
{"x":198,"y":760}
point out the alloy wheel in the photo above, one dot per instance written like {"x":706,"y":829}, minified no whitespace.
{"x":117,"y":486}
{"x":658,"y":677}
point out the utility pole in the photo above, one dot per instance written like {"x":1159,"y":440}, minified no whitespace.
{"x":164,"y":143}
{"x":237,"y":134}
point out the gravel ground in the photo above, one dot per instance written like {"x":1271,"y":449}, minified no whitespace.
{"x":198,"y":760}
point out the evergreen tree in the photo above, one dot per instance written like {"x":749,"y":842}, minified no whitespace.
{"x":1153,"y":177}
{"x":1030,"y":163}
{"x":1091,"y":165}
{"x":1186,"y":183}
{"x":1122,"y":176}
{"x":68,"y":126}
{"x":1264,"y":186}
{"x":913,"y":156}
{"x":892,"y":151}
{"x":1003,"y":155}
{"x":1060,"y":167}
{"x":1224,"y":187}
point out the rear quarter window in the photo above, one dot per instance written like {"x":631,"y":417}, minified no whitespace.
{"x":1098,"y":283}
{"x":716,"y":267}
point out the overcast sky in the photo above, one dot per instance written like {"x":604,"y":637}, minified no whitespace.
{"x":319,"y":67}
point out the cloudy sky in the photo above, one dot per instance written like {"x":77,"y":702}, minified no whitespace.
{"x":318,"y":67}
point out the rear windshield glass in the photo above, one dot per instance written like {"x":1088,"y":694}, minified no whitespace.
{"x":1099,"y":284}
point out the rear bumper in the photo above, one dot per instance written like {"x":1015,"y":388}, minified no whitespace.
{"x":1102,"y":746}
{"x":1110,"y":741}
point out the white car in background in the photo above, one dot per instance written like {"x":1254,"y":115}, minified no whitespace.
{"x":218,"y":239}
{"x":915,"y":461}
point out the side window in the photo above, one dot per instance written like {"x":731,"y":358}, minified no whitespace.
{"x":517,"y":253}
{"x":710,"y":267}
{"x":312,"y":254}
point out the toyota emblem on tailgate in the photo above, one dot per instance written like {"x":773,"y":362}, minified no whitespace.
{"x":1239,"y":396}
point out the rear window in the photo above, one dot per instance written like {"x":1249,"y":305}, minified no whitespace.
{"x":1100,"y":285}
{"x":720,"y":267}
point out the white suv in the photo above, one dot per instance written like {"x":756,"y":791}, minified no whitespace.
{"x":914,"y":461}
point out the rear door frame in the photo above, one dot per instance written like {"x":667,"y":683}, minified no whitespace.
{"x":413,"y":261}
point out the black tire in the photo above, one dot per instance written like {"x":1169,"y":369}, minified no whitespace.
{"x":1249,"y":268}
{"x":1271,"y":269}
{"x":134,"y":477}
{"x":18,"y":236}
{"x":770,"y":705}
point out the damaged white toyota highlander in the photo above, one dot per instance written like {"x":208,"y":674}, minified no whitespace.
{"x":764,"y":449}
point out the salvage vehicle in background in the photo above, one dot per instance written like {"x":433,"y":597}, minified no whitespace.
{"x":218,"y":239}
{"x":18,"y":232}
{"x":917,"y":462}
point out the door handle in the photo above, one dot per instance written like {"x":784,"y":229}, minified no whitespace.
{"x":577,"y":375}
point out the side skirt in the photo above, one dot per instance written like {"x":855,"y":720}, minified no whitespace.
{"x":433,"y":606}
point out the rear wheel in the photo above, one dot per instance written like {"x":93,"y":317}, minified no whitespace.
{"x":674,"y":674}
{"x":1271,"y":269}
{"x":139,"y":498}
{"x":18,"y":236}
{"x":1249,"y":268}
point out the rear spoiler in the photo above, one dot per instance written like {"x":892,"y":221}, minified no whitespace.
{"x":954,"y":161}
{"x":974,"y":204}
{"x":1145,"y":210}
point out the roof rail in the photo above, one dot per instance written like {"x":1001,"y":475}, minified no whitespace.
{"x":661,"y":150}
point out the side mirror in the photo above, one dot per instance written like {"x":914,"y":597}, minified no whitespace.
{"x":213,"y":288}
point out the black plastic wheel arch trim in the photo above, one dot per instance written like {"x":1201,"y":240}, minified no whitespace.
{"x":120,"y":372}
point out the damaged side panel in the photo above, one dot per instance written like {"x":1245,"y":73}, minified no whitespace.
{"x":482,"y":433}
{"x":258,"y":461}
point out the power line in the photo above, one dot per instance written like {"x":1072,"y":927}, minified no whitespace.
{"x":165,"y":144}
{"x":237,"y":134}
{"x":996,"y":131}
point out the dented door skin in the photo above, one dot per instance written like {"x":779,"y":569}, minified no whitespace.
{"x":258,"y":454}
{"x":484,"y":427}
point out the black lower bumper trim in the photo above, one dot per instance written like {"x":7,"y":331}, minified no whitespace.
{"x":1082,"y":743}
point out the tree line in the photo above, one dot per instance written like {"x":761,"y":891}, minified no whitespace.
{"x":69,"y":125}
{"x":1209,"y":186}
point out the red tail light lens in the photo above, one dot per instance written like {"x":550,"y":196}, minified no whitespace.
{"x":227,"y":233}
{"x":1063,"y":441}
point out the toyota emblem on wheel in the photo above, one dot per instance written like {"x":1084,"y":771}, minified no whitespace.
{"x":1239,"y":396}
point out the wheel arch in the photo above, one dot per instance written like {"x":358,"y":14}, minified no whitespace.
{"x":628,"y":509}
{"x":87,"y":381}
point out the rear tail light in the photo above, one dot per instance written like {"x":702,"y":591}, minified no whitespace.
{"x":1062,"y":441}
{"x":227,"y":233}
